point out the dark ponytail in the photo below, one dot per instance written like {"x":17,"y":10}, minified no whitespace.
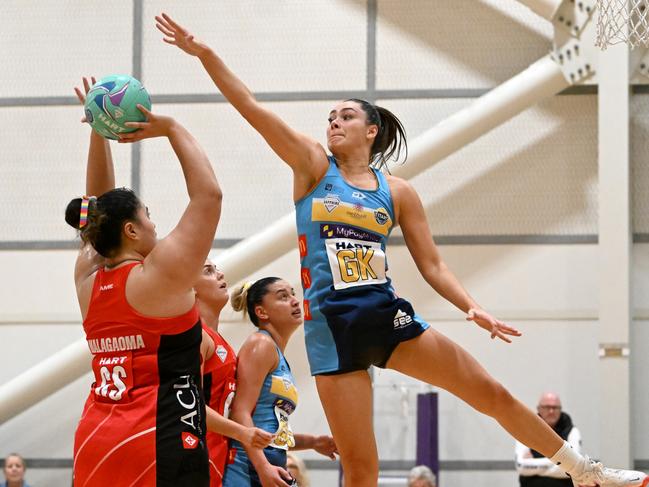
{"x":391,"y":137}
{"x":106,"y":217}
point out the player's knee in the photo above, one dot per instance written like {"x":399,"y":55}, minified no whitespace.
{"x":359,"y":467}
{"x":361,"y":477}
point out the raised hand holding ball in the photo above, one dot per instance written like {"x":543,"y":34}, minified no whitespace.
{"x":112,"y":102}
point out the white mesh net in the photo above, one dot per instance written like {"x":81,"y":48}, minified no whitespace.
{"x":622,"y":21}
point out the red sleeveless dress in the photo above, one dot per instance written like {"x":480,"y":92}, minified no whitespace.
{"x":219,"y":384}
{"x":143,"y":423}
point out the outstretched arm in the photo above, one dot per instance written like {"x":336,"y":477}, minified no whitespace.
{"x":303,"y":154}
{"x":248,"y":436}
{"x":323,"y":444}
{"x":411,"y":217}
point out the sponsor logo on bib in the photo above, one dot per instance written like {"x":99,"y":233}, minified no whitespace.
{"x":331,"y":202}
{"x":190,"y":442}
{"x":221,"y":352}
{"x":333,"y":230}
{"x":381,"y":216}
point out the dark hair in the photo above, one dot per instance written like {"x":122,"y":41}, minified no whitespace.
{"x":246,"y":296}
{"x":391,"y":137}
{"x":106,"y":217}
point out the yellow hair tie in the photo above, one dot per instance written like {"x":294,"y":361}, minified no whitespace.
{"x":247,"y":285}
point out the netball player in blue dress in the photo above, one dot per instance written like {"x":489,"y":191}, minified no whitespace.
{"x":353,"y":319}
{"x":266,"y":393}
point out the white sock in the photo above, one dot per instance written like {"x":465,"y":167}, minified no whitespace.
{"x":567,"y":458}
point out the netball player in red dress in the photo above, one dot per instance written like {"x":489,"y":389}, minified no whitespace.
{"x":144,"y":420}
{"x":219,"y":381}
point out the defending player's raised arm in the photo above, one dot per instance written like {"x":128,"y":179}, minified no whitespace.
{"x":302,"y":153}
{"x":177,"y":260}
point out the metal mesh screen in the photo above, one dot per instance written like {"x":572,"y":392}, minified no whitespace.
{"x":622,"y":21}
{"x":283,"y":46}
{"x":43,"y":168}
{"x":534,"y":175}
{"x":639,"y":108}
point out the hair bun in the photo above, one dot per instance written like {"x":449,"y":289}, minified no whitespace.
{"x":239,"y":297}
{"x":73,"y":213}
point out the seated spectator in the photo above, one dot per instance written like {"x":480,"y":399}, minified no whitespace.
{"x":533,"y":468}
{"x":421,"y":476}
{"x":14,"y":471}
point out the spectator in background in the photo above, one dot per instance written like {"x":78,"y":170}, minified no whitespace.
{"x":14,"y":471}
{"x":421,"y":476}
{"x":534,"y":469}
{"x":296,"y":467}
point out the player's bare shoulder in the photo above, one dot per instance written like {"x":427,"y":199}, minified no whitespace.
{"x":397,"y":184}
{"x":401,"y":191}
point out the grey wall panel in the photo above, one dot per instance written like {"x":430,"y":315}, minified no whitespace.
{"x":44,"y":152}
{"x":50,"y":45}
{"x":273,"y":46}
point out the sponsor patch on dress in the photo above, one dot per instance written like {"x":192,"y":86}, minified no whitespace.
{"x":333,"y":230}
{"x":190,"y":442}
{"x":381,"y":216}
{"x":331,"y":202}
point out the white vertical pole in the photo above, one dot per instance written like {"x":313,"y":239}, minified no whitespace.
{"x":615,"y":245}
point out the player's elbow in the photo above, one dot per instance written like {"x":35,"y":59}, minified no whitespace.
{"x":212,"y":195}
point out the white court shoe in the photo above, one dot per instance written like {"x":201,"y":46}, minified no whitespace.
{"x":595,"y":474}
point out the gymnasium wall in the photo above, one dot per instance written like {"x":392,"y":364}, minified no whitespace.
{"x":515,"y":213}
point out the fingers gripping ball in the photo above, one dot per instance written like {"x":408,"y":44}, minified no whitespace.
{"x":112,"y":101}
